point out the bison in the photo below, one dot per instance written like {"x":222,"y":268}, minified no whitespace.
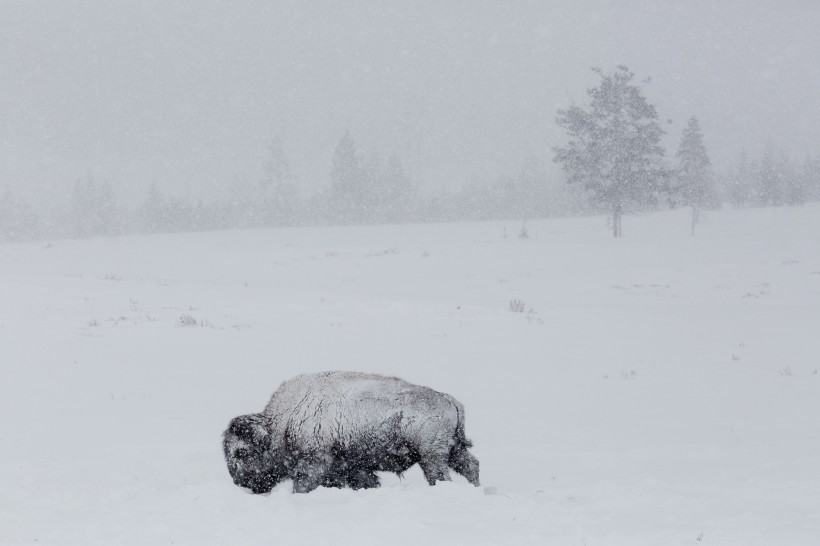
{"x":336,"y":429}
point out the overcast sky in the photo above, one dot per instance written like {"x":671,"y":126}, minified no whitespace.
{"x":187,"y":94}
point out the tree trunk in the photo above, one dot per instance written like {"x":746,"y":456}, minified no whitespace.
{"x":695,"y":218}
{"x":616,"y":220}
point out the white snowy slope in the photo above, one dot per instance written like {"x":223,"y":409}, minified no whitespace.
{"x":657,"y":389}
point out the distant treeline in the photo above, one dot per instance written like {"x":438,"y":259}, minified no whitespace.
{"x":362,"y":191}
{"x":372,"y":190}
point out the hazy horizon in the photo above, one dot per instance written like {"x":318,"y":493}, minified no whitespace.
{"x":188,"y":95}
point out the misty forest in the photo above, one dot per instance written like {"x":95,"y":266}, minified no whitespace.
{"x":615,"y":162}
{"x":549,"y":137}
{"x":425,"y":272}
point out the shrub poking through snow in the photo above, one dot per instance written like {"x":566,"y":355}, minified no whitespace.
{"x":186,"y":320}
{"x":517,"y":306}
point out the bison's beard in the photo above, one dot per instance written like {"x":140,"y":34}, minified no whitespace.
{"x":257,"y":482}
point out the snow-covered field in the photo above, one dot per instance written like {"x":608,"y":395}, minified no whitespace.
{"x":659,"y":389}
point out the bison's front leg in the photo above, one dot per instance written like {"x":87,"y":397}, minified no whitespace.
{"x":308,"y":474}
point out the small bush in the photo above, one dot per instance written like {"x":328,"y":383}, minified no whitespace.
{"x":517,"y":306}
{"x":186,"y":320}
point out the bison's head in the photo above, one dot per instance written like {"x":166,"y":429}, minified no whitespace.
{"x":249,"y":454}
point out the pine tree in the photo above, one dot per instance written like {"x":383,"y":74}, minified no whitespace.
{"x":768,"y":183}
{"x":398,"y":192}
{"x":740,"y":182}
{"x":373,"y":190}
{"x":615,"y":146}
{"x":810,"y":174}
{"x":152,"y":214}
{"x":693,"y":177}
{"x":94,"y":208}
{"x":795,"y":190}
{"x":17,"y":220}
{"x":163,"y":214}
{"x":277,"y":189}
{"x":349,"y":182}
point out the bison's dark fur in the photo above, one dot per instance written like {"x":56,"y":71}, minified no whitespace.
{"x":337,"y":429}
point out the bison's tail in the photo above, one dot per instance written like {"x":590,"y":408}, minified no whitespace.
{"x":461,"y":437}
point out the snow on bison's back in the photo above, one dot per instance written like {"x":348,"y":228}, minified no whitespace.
{"x":336,"y":429}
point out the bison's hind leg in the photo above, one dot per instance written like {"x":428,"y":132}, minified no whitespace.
{"x":362,"y":479}
{"x":463,"y":462}
{"x":334,"y":480}
{"x":434,"y":466}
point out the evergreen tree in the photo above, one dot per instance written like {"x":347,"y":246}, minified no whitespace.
{"x":740,"y":191}
{"x":348,"y":182}
{"x":152,"y":215}
{"x":17,"y":220}
{"x":693,"y":177}
{"x":793,"y":184}
{"x":768,"y":184}
{"x":373,"y":191}
{"x":161,"y":214}
{"x":93,"y":208}
{"x":615,"y":145}
{"x":810,"y":174}
{"x":398,"y":192}
{"x":277,"y":189}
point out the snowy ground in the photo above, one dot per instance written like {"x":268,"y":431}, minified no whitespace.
{"x":659,"y":389}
